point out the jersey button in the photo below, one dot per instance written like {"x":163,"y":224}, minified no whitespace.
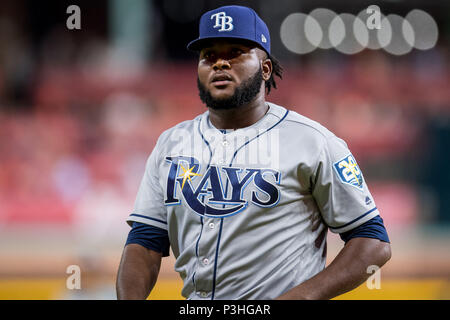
{"x":211,"y":225}
{"x":203,"y":294}
{"x":225,"y":143}
{"x":205,"y":261}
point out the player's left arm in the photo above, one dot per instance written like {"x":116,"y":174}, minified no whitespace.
{"x":347,"y":208}
{"x":346,"y":272}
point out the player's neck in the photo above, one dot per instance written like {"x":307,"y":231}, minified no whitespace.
{"x":240,"y":117}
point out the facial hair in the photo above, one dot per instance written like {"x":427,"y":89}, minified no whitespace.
{"x":243,"y":94}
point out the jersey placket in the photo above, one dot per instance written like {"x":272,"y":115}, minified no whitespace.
{"x":206,"y":266}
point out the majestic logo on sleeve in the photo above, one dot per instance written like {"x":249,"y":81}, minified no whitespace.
{"x":219,"y":191}
{"x":349,"y":172}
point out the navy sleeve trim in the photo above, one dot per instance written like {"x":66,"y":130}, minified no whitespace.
{"x":154,"y":219}
{"x":354,"y":220}
{"x":150,"y":237}
{"x":374,"y":228}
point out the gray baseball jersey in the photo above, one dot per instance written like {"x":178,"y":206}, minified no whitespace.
{"x":247,"y":211}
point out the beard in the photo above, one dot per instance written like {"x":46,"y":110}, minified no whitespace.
{"x":243,"y":94}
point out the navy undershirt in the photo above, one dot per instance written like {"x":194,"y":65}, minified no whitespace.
{"x":374,"y":228}
{"x":157,"y":239}
{"x":150,"y":237}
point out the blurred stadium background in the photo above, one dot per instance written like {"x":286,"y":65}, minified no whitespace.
{"x":80,"y":111}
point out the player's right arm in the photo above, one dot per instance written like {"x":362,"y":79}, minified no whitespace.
{"x":138,"y":271}
{"x":148,"y":240}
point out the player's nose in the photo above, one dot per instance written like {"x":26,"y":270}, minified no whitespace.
{"x":221,"y":64}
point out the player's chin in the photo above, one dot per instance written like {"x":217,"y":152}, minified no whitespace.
{"x":222,"y":92}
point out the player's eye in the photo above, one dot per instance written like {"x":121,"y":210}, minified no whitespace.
{"x":208,"y":55}
{"x":235,"y":52}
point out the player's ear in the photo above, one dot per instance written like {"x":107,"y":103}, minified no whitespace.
{"x":267,"y":67}
{"x":266,"y":64}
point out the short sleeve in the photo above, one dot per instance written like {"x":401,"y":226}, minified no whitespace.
{"x":149,"y":205}
{"x":339,"y":188}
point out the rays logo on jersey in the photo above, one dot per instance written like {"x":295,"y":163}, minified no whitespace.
{"x":349,"y":172}
{"x":207,"y":193}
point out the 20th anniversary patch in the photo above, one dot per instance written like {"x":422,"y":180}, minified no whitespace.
{"x":349,"y":172}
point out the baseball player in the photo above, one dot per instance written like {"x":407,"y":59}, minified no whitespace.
{"x":244,"y":193}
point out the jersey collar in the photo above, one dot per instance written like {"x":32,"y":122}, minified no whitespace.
{"x":213,"y":135}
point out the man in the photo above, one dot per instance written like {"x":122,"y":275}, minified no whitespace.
{"x":244,"y":194}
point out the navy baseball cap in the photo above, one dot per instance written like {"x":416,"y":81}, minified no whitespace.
{"x":236,"y":22}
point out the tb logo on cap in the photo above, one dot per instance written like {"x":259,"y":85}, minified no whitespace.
{"x":223,"y":21}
